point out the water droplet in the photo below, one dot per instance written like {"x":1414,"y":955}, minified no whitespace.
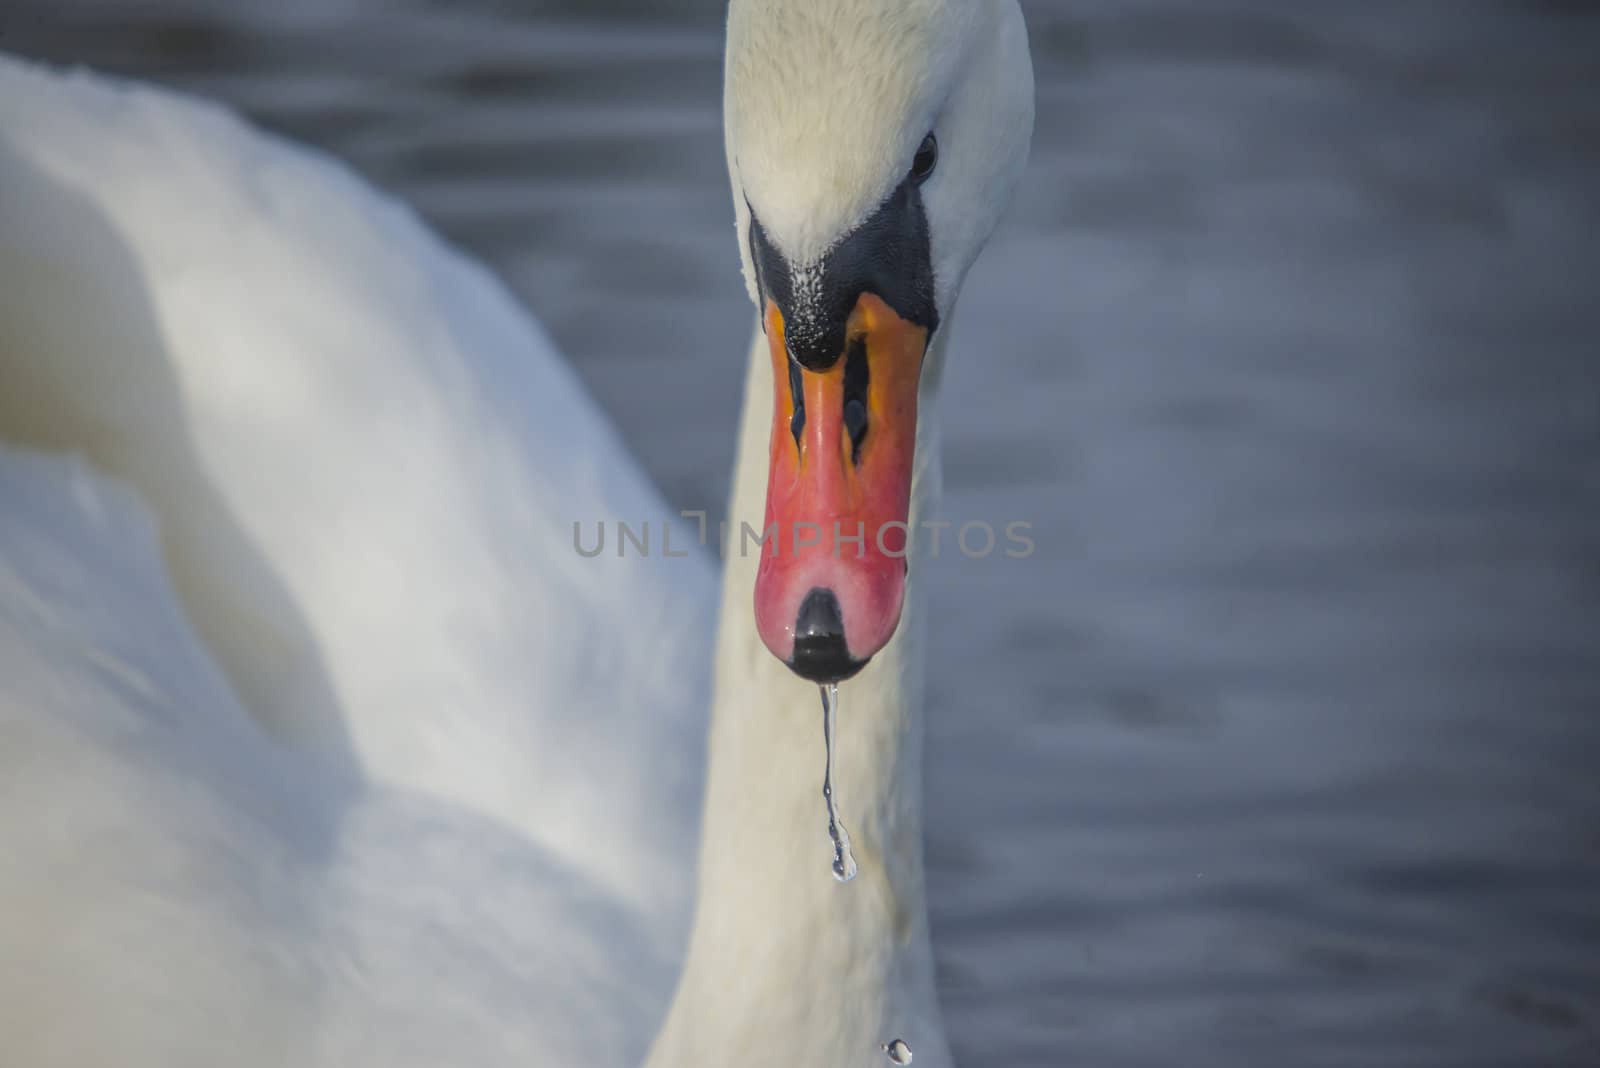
{"x":897,"y":1051}
{"x":844,"y":862}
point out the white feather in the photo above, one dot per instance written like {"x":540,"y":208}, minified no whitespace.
{"x":333,"y":750}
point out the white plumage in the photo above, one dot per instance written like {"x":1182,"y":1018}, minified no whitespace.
{"x":319,"y":743}
{"x":442,"y":776}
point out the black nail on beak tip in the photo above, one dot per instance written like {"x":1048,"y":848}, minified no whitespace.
{"x":819,"y":650}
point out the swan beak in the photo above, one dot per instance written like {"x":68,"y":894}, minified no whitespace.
{"x":831,"y":580}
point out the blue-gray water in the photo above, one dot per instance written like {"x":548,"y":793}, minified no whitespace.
{"x":1282,"y":749}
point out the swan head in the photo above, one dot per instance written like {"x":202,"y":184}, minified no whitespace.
{"x":872,"y":145}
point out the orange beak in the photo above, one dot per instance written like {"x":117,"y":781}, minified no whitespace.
{"x":831,"y":581}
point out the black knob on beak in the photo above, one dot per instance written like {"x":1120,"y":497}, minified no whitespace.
{"x":819,"y":650}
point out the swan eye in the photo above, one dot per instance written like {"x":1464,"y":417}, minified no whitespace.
{"x":927,"y":157}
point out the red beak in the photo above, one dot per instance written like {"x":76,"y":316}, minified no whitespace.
{"x":832,"y":576}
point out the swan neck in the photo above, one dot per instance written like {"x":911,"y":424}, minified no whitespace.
{"x":782,"y":956}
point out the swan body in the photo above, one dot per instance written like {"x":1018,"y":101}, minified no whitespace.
{"x":292,"y":370}
{"x":354,"y":759}
{"x":404,"y":764}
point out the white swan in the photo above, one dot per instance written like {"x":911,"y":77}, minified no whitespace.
{"x":475,"y":847}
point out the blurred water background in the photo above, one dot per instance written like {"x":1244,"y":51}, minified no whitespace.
{"x":1282,"y":749}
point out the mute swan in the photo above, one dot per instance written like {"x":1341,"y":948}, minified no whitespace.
{"x":474,"y":846}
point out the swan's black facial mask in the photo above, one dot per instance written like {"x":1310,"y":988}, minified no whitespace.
{"x":847,"y":336}
{"x":889,"y":255}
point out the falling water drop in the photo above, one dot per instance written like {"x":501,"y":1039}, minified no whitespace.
{"x":897,"y":1051}
{"x":844,"y":862}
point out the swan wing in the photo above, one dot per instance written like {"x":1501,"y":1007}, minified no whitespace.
{"x":366,"y":461}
